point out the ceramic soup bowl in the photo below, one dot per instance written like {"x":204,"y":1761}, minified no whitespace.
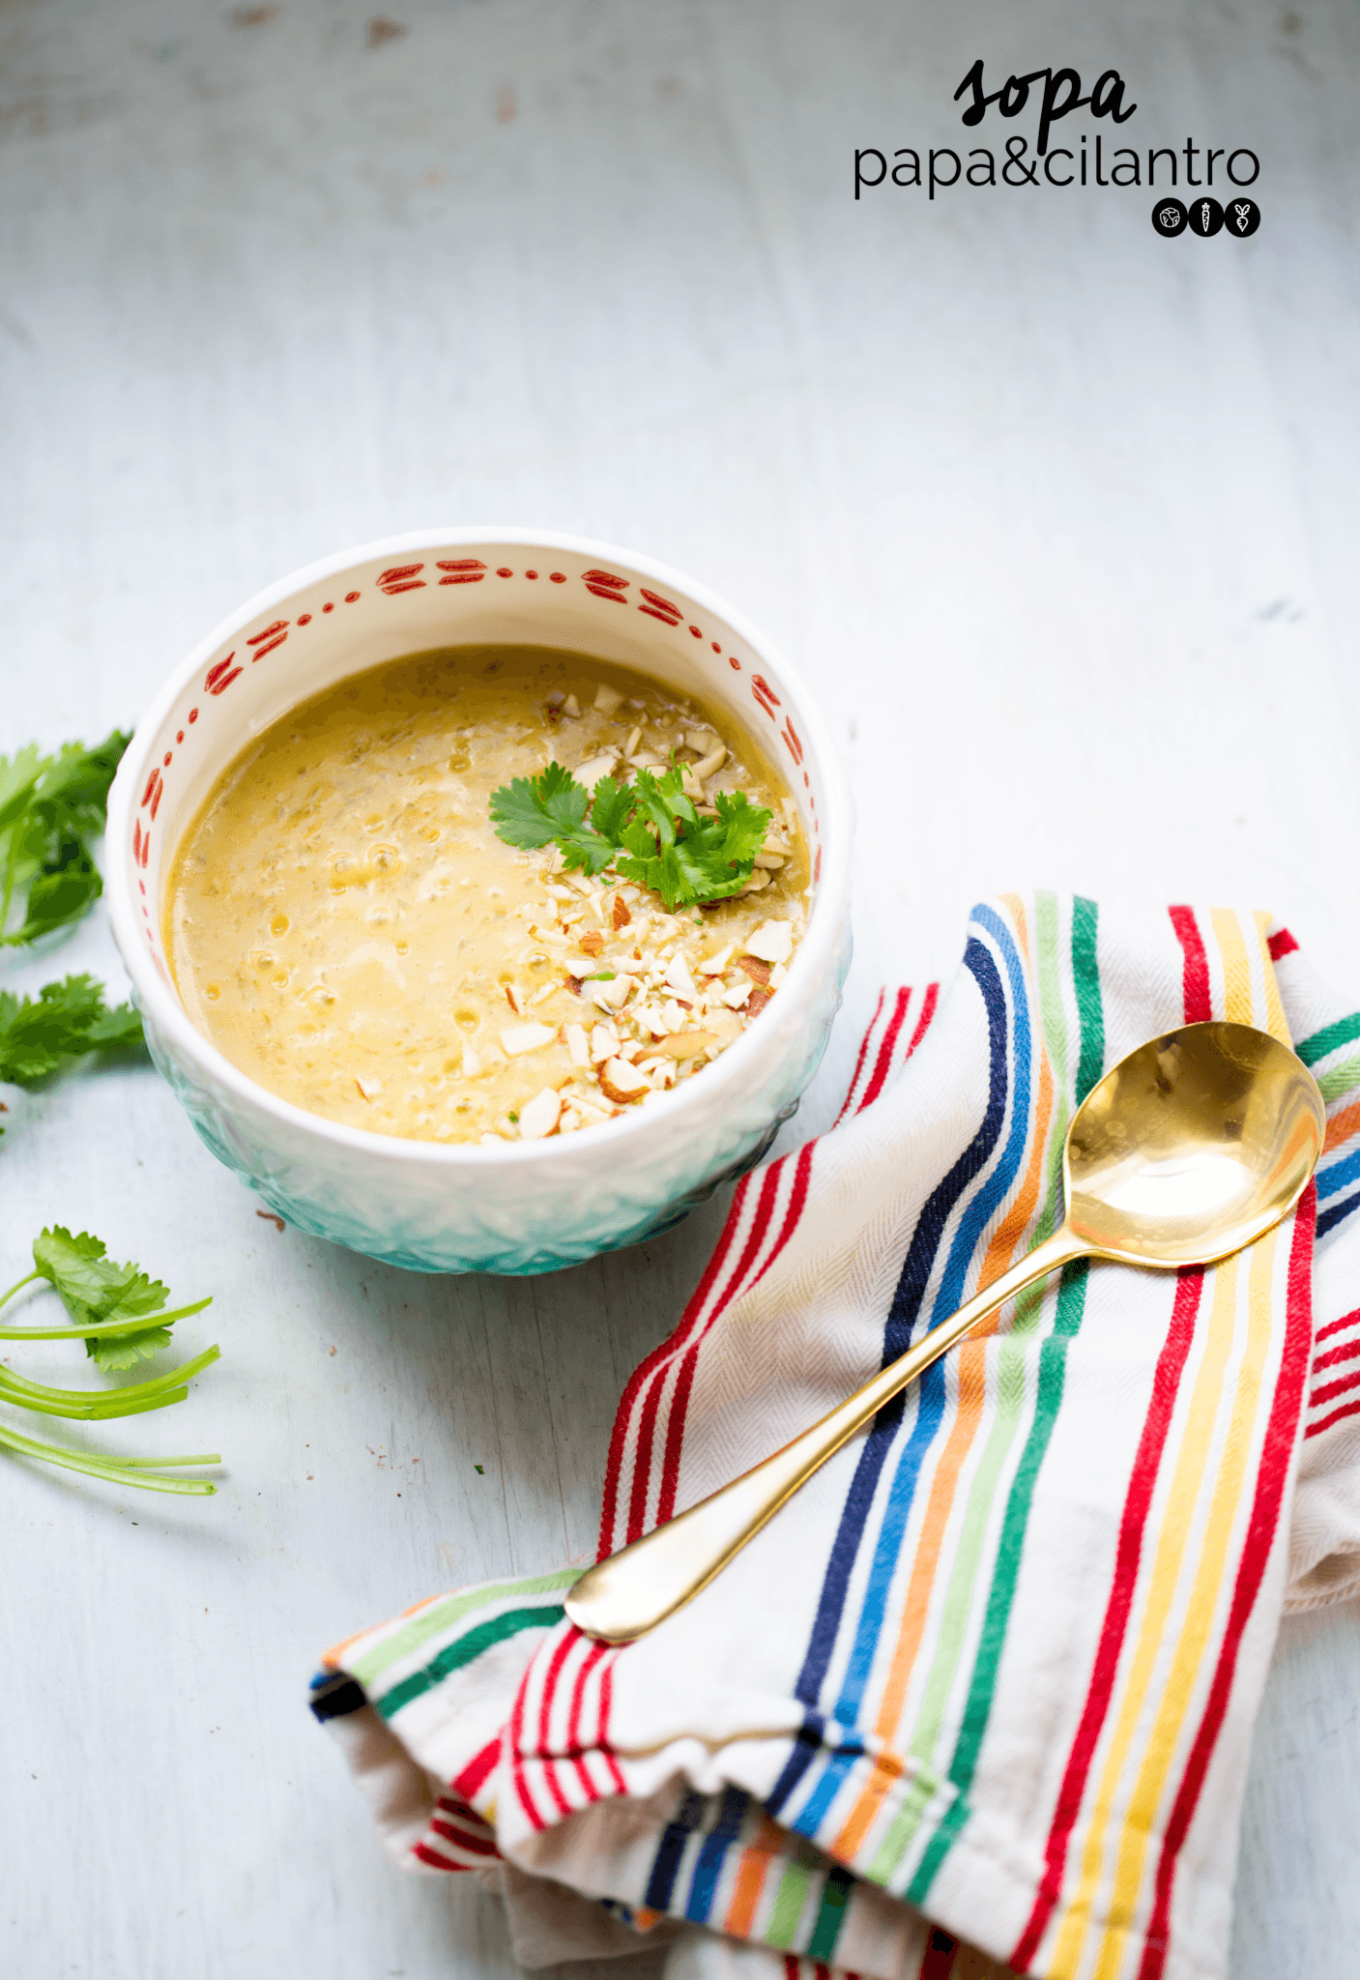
{"x":527,"y":1206}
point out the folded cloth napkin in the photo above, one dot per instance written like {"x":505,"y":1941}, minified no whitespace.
{"x":981,"y":1696}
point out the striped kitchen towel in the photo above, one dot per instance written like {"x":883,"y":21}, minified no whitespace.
{"x":981,"y":1697}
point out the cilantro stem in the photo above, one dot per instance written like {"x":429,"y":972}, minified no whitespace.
{"x":86,"y":1408}
{"x":87,"y":1331}
{"x":115,"y":1470}
{"x":100,"y":1404}
{"x":19,"y":1286}
{"x":140,"y":1464}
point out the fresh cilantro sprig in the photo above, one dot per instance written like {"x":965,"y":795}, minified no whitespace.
{"x":121,"y":1311}
{"x":51,"y":811}
{"x":100,"y":1295}
{"x":39,"y":1035}
{"x":649,"y":831}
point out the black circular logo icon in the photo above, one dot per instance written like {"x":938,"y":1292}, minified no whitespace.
{"x":1168,"y":217}
{"x":1242,"y":217}
{"x":1206,"y":215}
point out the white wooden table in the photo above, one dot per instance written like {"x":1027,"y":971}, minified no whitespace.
{"x":1058,"y":517}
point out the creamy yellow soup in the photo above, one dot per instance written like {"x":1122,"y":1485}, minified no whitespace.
{"x":345,"y":926}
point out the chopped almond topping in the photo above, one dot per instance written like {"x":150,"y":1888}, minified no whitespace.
{"x":621,"y":1082}
{"x":592,"y":942}
{"x":575,"y":1040}
{"x":679,"y":979}
{"x":608,"y":700}
{"x":590,"y":772}
{"x":728,"y":1027}
{"x":472,"y":1063}
{"x":758,"y":971}
{"x":619,"y":914}
{"x":772,"y":941}
{"x":539,"y":1116}
{"x":514,"y":998}
{"x":571,"y":706}
{"x":610,"y":993}
{"x":687,"y":1044}
{"x":604,"y":1042}
{"x":759,"y":999}
{"x":520,"y":1038}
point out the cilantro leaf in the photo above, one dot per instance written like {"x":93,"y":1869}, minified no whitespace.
{"x":532,"y":813}
{"x":663,"y":804}
{"x":713,"y":860}
{"x":71,"y":1264}
{"x":610,"y":806}
{"x":40,"y":1035}
{"x":117,"y":1030}
{"x":126,"y":1350}
{"x":75,"y":788}
{"x":94,"y":1288}
{"x":552,"y":809}
{"x":51,"y":810}
{"x":743,"y":826}
{"x":650,"y":831}
{"x":19,"y":775}
{"x":63,"y":891}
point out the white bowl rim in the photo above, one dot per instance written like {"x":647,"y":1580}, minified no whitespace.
{"x":823,"y":931}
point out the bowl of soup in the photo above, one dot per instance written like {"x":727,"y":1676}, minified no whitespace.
{"x":415,"y":1022}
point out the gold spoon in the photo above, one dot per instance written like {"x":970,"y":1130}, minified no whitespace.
{"x":1192,"y":1146}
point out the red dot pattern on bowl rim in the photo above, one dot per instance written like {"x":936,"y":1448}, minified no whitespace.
{"x":606,"y":586}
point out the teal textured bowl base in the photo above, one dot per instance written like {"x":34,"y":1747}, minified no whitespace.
{"x":524,"y":1265}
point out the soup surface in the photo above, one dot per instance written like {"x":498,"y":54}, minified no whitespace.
{"x":345,"y":926}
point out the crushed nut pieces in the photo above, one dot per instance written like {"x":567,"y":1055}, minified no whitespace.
{"x":667,"y":995}
{"x":666,"y":1000}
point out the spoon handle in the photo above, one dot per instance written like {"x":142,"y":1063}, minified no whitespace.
{"x":630,"y":1593}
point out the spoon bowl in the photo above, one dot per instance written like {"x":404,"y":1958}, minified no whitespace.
{"x":1194,"y":1145}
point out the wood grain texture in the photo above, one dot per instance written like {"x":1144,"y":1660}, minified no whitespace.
{"x":1058,"y":519}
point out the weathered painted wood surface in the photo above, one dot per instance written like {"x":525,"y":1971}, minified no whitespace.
{"x":1059,"y":518}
